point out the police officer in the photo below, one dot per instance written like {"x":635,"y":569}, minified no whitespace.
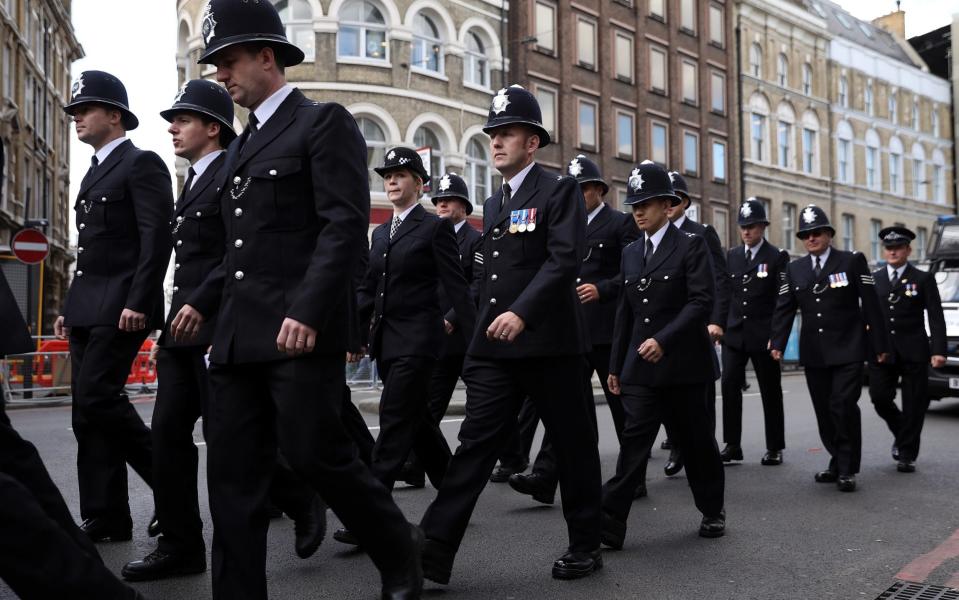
{"x":836,"y":294}
{"x":608,"y":231}
{"x":296,"y":209}
{"x":115,"y":299}
{"x":756,"y":270}
{"x":907,"y":297}
{"x":662,"y":356}
{"x":528,"y":341}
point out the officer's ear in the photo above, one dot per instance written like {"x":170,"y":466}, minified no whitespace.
{"x":213,"y":130}
{"x":115,"y":116}
{"x":533,"y":142}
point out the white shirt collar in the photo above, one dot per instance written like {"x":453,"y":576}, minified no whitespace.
{"x":519,"y":178}
{"x":406,"y":212}
{"x":458,"y":226}
{"x":595,"y":211}
{"x":201,"y":164}
{"x":822,"y":258}
{"x":269,"y":106}
{"x":679,"y":222}
{"x":104,"y":152}
{"x":755,"y":249}
{"x":658,"y":236}
{"x":898,"y":272}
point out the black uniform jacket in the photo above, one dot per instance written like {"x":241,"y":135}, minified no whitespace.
{"x":123,"y":246}
{"x":198,"y":237}
{"x":833,"y":328}
{"x":904,"y":309}
{"x":468,"y":242}
{"x":295,"y":204}
{"x":718,"y":260}
{"x":669,"y":298}
{"x":609,"y":232}
{"x":532,"y":273}
{"x":401,"y":289}
{"x":754,"y":289}
{"x":14,"y":335}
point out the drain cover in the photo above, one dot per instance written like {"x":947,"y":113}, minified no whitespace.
{"x":903,"y":590}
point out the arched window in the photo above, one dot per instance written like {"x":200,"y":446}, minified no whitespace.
{"x":895,"y":166}
{"x":184,"y":65}
{"x":297,"y":16}
{"x":873,"y":174}
{"x":914,"y":120}
{"x":893,"y":107}
{"x":477,"y":173}
{"x":785,"y":133}
{"x":362,"y":32}
{"x":868,"y":100}
{"x":810,"y":143}
{"x":807,"y":79}
{"x":844,"y":156}
{"x":844,"y":91}
{"x":935,"y":121}
{"x":758,"y":116}
{"x":375,"y":148}
{"x":756,"y":60}
{"x":475,"y":63}
{"x":424,"y":137}
{"x":938,"y":177}
{"x":918,"y":172}
{"x":782,"y":70}
{"x":427,"y":44}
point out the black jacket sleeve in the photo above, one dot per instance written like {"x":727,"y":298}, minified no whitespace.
{"x":622,"y":331}
{"x":700,"y":290}
{"x":450,"y":270}
{"x":785,"y":312}
{"x":872,"y":313}
{"x":720,"y":308}
{"x":937,"y":320}
{"x":609,"y":288}
{"x":152,"y":192}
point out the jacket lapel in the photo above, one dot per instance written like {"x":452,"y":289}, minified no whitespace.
{"x":112,"y":160}
{"x":522,"y":196}
{"x":599,"y":221}
{"x":666,"y":247}
{"x":411,"y":222}
{"x":209,"y":175}
{"x":281,"y":120}
{"x":881,"y":277}
{"x":832,"y":263}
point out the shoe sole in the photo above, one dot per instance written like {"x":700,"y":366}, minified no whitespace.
{"x":107,"y":539}
{"x":567,"y":574}
{"x":541,"y":498}
{"x":349,"y":541}
{"x":712,"y":534}
{"x":673,"y":473}
{"x":181,"y":572}
{"x":770,"y":463}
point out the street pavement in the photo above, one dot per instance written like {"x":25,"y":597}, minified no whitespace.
{"x":787,"y":537}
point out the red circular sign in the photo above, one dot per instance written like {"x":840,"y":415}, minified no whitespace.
{"x":30,"y":246}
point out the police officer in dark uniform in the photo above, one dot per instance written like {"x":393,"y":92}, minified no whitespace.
{"x":608,"y":231}
{"x":295,"y":205}
{"x":841,"y":327}
{"x":529,"y":341}
{"x":662,"y":356}
{"x":756,"y":270}
{"x":115,"y":299}
{"x":907,"y":296}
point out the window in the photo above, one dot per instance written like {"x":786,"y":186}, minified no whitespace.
{"x":690,"y":81}
{"x":844,"y":91}
{"x":848,"y":233}
{"x":690,"y":153}
{"x":587,"y":125}
{"x":845,"y":158}
{"x":789,"y":225}
{"x":297,"y":17}
{"x":782,"y":70}
{"x":375,"y":148}
{"x":425,"y":137}
{"x":893,"y":107}
{"x":719,"y":161}
{"x":7,"y":72}
{"x":717,"y":25}
{"x":922,"y":237}
{"x":872,"y":159}
{"x":687,"y":16}
{"x":868,"y":100}
{"x":895,"y":166}
{"x":875,"y":226}
{"x":624,"y":135}
{"x":785,"y":134}
{"x":807,"y":79}
{"x":659,"y":135}
{"x":362,"y":32}
{"x":756,"y":60}
{"x":918,"y":179}
{"x":810,"y":144}
{"x":657,"y":8}
{"x":546,"y":98}
{"x":586,"y":43}
{"x":477,"y":173}
{"x":757,"y":136}
{"x":657,"y":69}
{"x":427,"y":53}
{"x":544,"y":19}
{"x":938,"y":177}
{"x":624,"y":56}
{"x":717,"y":92}
{"x":935,"y":121}
{"x":475,"y":63}
{"x":914,"y":119}
{"x":721,"y":225}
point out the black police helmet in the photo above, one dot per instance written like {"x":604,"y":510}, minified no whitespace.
{"x":896,"y":236}
{"x":452,"y":187}
{"x":752,"y":211}
{"x":100,"y":87}
{"x":586,"y":171}
{"x":516,"y":106}
{"x":401,"y":157}
{"x":205,"y":97}
{"x":679,"y":186}
{"x":649,"y":181}
{"x":230,"y":22}
{"x":812,"y":219}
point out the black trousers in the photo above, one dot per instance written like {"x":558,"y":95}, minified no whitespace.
{"x":356,"y":427}
{"x":495,"y":392}
{"x":406,"y":423}
{"x":446,"y":372}
{"x":835,"y":397}
{"x":519,"y":445}
{"x":295,"y":406}
{"x":905,"y":424}
{"x":683,"y":409}
{"x":110,"y":434}
{"x":769,"y":374}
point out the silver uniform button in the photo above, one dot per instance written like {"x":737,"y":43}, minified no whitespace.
{"x":238,"y":275}
{"x":646,"y":320}
{"x":238,"y":244}
{"x":666,"y":278}
{"x":492,"y":301}
{"x":179,"y":243}
{"x":238,"y":212}
{"x":820,"y":331}
{"x":82,"y":226}
{"x":384,"y":255}
{"x":79,"y":273}
{"x":237,"y":180}
{"x":199,"y":214}
{"x":494,"y":277}
{"x":892,"y":319}
{"x":745,"y":303}
{"x":496,"y":231}
{"x":272,"y":172}
{"x":817,"y":299}
{"x":179,"y":219}
{"x":645,"y":300}
{"x":600,"y":245}
{"x":578,"y":279}
{"x":819,"y":315}
{"x":103,"y":199}
{"x":176,"y":267}
{"x":176,"y":289}
{"x":80,"y":250}
{"x":495,"y":253}
{"x":893,"y":332}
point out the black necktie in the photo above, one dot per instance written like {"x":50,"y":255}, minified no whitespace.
{"x":749,"y":255}
{"x":507,"y":195}
{"x":818,"y":268}
{"x":190,"y":174}
{"x":894,"y":276}
{"x":251,"y":128}
{"x":649,"y":249}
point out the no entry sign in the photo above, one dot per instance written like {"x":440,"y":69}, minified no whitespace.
{"x":30,"y":246}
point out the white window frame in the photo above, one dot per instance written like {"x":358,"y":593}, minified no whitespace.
{"x":659,"y":51}
{"x":473,"y":59}
{"x":720,"y":78}
{"x":619,"y":115}
{"x":425,"y":44}
{"x":756,"y":60}
{"x":540,"y":91}
{"x":807,"y":79}
{"x":691,"y":136}
{"x":539,"y":32}
{"x":717,"y":35}
{"x":653,"y":126}
{"x":584,"y":24}
{"x":364,"y":29}
{"x":624,"y":58}
{"x":689,"y":74}
{"x":688,"y":16}
{"x":657,"y":9}
{"x":782,"y":70}
{"x":580,"y":142}
{"x":716,"y":143}
{"x":757,"y":145}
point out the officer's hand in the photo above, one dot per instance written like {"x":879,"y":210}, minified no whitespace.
{"x":448,"y":327}
{"x":131,"y":320}
{"x":587,"y":293}
{"x":613,"y":383}
{"x":60,"y":330}
{"x":505,"y":327}
{"x":355,"y":357}
{"x":295,"y":338}
{"x":776,"y":354}
{"x":937,"y":361}
{"x":715,"y":333}
{"x":154,"y":351}
{"x":650,"y":350}
{"x":186,"y":324}
{"x":882,"y":357}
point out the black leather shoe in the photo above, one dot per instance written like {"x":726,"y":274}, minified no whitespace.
{"x":575,"y":565}
{"x":103,"y":529}
{"x":713,"y":527}
{"x":772,"y":457}
{"x":160,"y":565}
{"x":826,"y":476}
{"x":535,"y":485}
{"x":612,"y":532}
{"x":502,"y":473}
{"x":412,"y":475}
{"x":895,"y":452}
{"x":437,"y":561}
{"x":731,"y":452}
{"x":406,"y":583}
{"x":310,"y":528}
{"x":846,"y":483}
{"x":153,"y":529}
{"x":675,"y":463}
{"x":745,"y":386}
{"x":666,"y":445}
{"x":640,"y":492}
{"x":906,"y":466}
{"x":345,"y":536}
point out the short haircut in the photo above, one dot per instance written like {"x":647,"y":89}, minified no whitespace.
{"x":226,"y":134}
{"x":278,"y":58}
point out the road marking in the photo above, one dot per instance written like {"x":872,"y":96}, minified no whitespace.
{"x":920,"y":568}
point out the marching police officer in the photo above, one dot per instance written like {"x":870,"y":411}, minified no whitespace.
{"x":841,"y":326}
{"x":115,"y":299}
{"x":528,"y":341}
{"x":662,"y":356}
{"x":756,"y":270}
{"x":906,"y":296}
{"x":608,"y":231}
{"x":296,"y":209}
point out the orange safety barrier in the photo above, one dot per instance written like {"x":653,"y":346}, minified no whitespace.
{"x":52,"y":353}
